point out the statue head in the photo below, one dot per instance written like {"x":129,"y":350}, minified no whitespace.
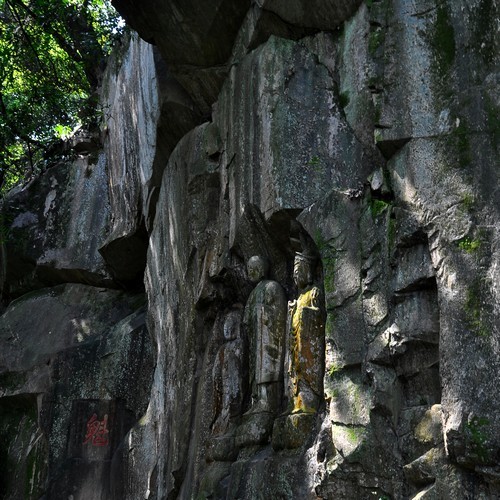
{"x":231,"y":327}
{"x":257,"y":268}
{"x":302,"y":270}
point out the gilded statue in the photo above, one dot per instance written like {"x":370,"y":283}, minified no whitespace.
{"x":307,"y":340}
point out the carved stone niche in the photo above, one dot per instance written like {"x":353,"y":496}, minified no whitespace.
{"x":264,"y":321}
{"x":96,"y":430}
{"x":305,"y":356}
{"x":286,"y":344}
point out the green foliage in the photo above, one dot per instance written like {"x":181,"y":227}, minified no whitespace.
{"x":344,"y":99}
{"x":50,"y":62}
{"x":468,"y":203}
{"x":377,"y":207}
{"x":440,"y":37}
{"x":443,"y":39}
{"x":468,"y":245}
{"x":334,"y":369}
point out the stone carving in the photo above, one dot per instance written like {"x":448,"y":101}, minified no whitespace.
{"x":307,"y":340}
{"x":227,"y":373}
{"x":265,"y":324}
{"x":228,"y":376}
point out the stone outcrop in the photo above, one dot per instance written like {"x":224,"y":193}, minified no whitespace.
{"x":363,"y":135}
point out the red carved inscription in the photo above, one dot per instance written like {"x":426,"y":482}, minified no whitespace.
{"x":97,"y":432}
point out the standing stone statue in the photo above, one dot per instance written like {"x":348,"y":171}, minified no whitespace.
{"x":228,"y":373}
{"x":228,"y":378}
{"x":307,"y":317}
{"x":265,"y":323}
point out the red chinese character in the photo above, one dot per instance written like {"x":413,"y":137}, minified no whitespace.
{"x":97,"y":433}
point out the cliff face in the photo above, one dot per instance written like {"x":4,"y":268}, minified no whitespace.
{"x":363,"y":135}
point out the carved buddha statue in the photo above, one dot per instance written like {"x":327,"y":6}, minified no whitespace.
{"x":265,"y":323}
{"x":307,"y":340}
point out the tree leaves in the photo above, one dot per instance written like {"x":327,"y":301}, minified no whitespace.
{"x":51,"y":55}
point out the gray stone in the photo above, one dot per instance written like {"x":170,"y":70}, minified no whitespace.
{"x":351,"y":400}
{"x":386,"y":393}
{"x":194,"y":38}
{"x":92,"y":356}
{"x":417,"y":316}
{"x":63,"y":317}
{"x":320,"y":152}
{"x":414,"y":268}
{"x":55,"y":225}
{"x":300,"y":101}
{"x":255,"y":428}
{"x":292,"y":431}
{"x":315,"y":14}
{"x":222,"y":449}
{"x":141,"y":128}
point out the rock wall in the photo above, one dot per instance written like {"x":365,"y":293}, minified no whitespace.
{"x":362,"y":136}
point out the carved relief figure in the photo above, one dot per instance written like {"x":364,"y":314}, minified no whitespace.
{"x":307,"y":340}
{"x":228,"y":374}
{"x":265,"y":323}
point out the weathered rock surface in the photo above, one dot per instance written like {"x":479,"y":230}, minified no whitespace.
{"x":363,"y":135}
{"x":55,"y":225}
{"x":70,"y":352}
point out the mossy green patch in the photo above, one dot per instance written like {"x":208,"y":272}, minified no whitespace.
{"x":334,"y":369}
{"x":344,"y":99}
{"x":476,"y":303}
{"x":375,"y":81}
{"x":355,"y":396}
{"x":483,"y":22}
{"x":377,"y":111}
{"x":316,"y":164}
{"x":329,"y":271}
{"x":475,"y":430}
{"x":378,"y":206}
{"x":354,"y":434}
{"x":469,"y":245}
{"x":375,"y":40}
{"x":459,"y":142}
{"x":314,"y":161}
{"x":328,"y":257}
{"x":468,"y":202}
{"x":12,"y":380}
{"x":442,"y":39}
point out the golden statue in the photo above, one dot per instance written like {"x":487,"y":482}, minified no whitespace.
{"x":307,"y":340}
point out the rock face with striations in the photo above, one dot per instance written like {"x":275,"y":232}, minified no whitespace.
{"x":362,"y":137}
